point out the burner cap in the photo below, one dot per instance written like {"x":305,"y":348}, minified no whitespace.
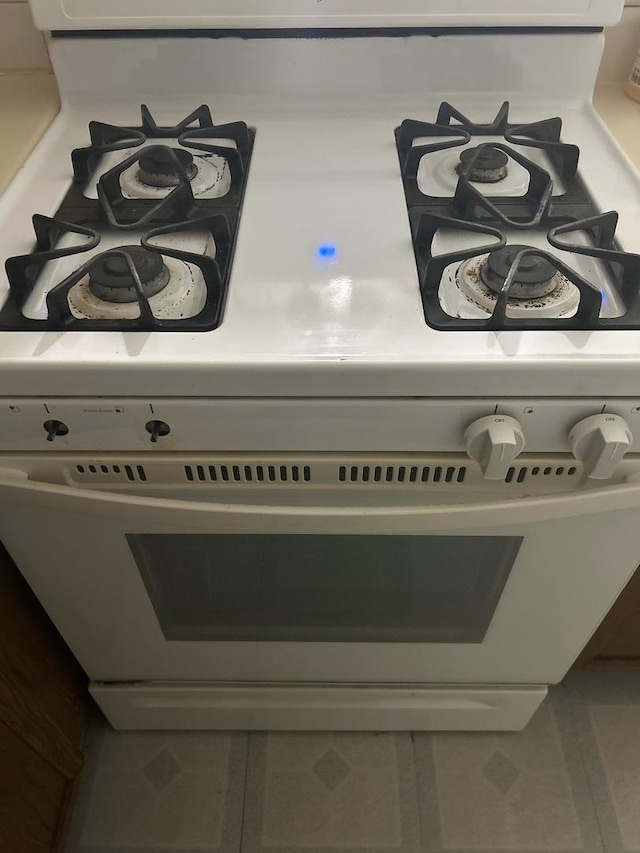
{"x":110,"y":278}
{"x":535,"y":276}
{"x":157,"y":168}
{"x":490,"y":165}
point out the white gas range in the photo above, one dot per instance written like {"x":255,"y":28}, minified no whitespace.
{"x":319,"y":380}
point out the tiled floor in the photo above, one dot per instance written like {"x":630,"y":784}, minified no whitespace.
{"x":569,"y":782}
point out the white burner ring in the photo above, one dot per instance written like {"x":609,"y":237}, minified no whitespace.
{"x":515,"y":182}
{"x":561,"y":302}
{"x":184,"y":296}
{"x":213,"y":179}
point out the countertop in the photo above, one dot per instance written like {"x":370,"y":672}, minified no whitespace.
{"x":622,"y":115}
{"x":29,"y":103}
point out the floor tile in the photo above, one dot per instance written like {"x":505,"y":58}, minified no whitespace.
{"x":607,"y":717}
{"x":507,"y":791}
{"x":322,"y":792}
{"x":160,"y":792}
{"x":569,"y":783}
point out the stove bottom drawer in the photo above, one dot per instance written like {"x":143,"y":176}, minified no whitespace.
{"x":316,"y":707}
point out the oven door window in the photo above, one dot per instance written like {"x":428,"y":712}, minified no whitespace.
{"x":324,"y":588}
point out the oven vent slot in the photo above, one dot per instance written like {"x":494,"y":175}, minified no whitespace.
{"x":404,"y":474}
{"x":98,"y":471}
{"x":254,"y":474}
{"x":539,"y":472}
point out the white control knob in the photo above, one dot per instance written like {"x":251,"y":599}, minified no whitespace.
{"x":600,"y":442}
{"x":494,"y":442}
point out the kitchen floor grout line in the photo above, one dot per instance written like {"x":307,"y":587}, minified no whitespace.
{"x":416,"y":791}
{"x":573,"y":698}
{"x":244,"y":792}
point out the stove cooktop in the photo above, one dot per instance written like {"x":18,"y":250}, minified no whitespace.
{"x":323,"y":299}
{"x":144,"y":238}
{"x":505,"y":233}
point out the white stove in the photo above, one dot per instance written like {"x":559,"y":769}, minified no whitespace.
{"x":319,"y":377}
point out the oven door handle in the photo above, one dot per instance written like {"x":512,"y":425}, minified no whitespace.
{"x":17,"y":489}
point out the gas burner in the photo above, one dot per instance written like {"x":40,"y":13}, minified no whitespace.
{"x":480,"y":280}
{"x":157,"y":167}
{"x":111,"y":278}
{"x":514,"y":172}
{"x":194,"y":163}
{"x":173,"y":288}
{"x":495,"y":285}
{"x":81,"y":276}
{"x":533,"y":277}
{"x":487,"y":165}
{"x":159,"y":170}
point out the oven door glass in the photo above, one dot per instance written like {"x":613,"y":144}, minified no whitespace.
{"x":324,"y":588}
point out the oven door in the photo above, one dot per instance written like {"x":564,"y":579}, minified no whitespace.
{"x":490,"y":592}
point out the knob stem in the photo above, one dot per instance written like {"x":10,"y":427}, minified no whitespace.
{"x":157,"y":429}
{"x":55,"y":428}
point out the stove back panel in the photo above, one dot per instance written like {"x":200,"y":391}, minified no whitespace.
{"x":299,"y":75}
{"x":290,"y":14}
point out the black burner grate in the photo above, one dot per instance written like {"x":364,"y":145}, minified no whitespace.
{"x":106,"y":138}
{"x":474,"y":209}
{"x":623,"y":268}
{"x":23,"y":272}
{"x":175,"y":213}
{"x":187,"y":136}
{"x":540,"y":136}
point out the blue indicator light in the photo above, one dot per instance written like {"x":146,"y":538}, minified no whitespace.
{"x":326,"y":251}
{"x":605,"y":298}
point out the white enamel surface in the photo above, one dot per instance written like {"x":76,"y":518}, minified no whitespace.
{"x":109,"y":623}
{"x":324,"y":171}
{"x":95,"y":14}
{"x":301,"y":424}
{"x":357,"y":707}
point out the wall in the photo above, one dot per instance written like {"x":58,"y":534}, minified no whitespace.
{"x":22,"y":47}
{"x":622,"y":43}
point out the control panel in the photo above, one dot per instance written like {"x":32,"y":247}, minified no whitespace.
{"x":493,"y":433}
